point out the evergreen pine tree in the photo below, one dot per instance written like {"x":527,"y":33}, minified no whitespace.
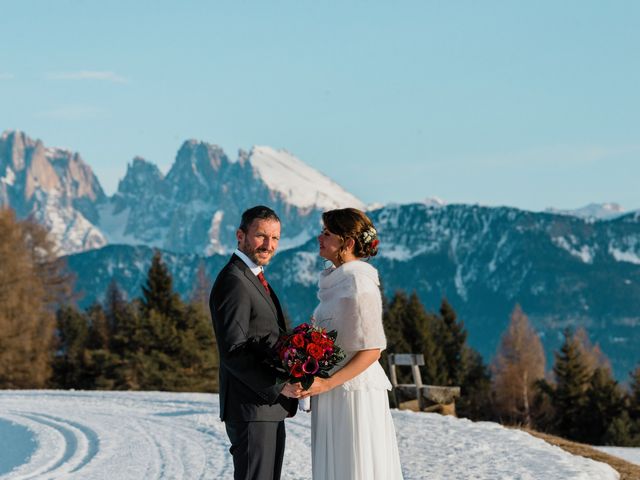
{"x":475,"y":400}
{"x":100,"y":362}
{"x":383,"y":297}
{"x":605,"y":403}
{"x":127,"y":347}
{"x":634,"y":406}
{"x":393,"y":320}
{"x":200,"y":342}
{"x":569,"y":396}
{"x":115,"y":307}
{"x":543,"y":413}
{"x":620,"y":432}
{"x":167,"y":345}
{"x":207,"y":361}
{"x":158,"y":293}
{"x":593,"y":356}
{"x":451,"y":338}
{"x":634,"y":396}
{"x":98,"y":337}
{"x":69,"y":365}
{"x":125,"y":335}
{"x":114,"y":361}
{"x":390,"y":326}
{"x":159,"y":360}
{"x":460,"y":365}
{"x":202,"y":287}
{"x":410,"y":329}
{"x":419,"y":330}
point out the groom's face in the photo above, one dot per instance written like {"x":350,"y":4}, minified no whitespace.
{"x":260,"y":241}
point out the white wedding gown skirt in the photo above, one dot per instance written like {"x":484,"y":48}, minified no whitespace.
{"x":353,"y":437}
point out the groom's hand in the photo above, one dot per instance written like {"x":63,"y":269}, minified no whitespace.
{"x":292,"y":390}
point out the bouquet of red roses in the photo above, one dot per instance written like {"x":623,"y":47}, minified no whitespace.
{"x":307,"y":352}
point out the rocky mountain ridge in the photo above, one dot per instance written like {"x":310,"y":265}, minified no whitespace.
{"x":193,"y":209}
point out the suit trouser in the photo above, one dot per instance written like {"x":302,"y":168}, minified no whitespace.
{"x":257,"y":449}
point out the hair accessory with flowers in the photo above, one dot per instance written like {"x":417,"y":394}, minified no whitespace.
{"x":369,"y":235}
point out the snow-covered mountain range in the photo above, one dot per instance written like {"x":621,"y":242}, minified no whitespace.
{"x":564,"y":272}
{"x":193,"y":209}
{"x":564,"y":269}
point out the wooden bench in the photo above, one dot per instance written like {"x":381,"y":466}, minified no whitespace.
{"x":431,"y":398}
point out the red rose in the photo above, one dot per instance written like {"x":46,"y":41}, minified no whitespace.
{"x":316,"y":337}
{"x":296,"y":370}
{"x":297,"y":340}
{"x":316,"y":351}
{"x":326,"y":342}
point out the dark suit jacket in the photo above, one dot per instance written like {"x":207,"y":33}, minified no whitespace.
{"x":247,"y":321}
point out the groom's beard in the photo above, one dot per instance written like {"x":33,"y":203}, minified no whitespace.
{"x":252,"y":253}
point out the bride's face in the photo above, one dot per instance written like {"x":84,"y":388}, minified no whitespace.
{"x":330,"y":245}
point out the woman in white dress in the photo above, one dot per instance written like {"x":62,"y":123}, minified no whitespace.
{"x":352,"y":432}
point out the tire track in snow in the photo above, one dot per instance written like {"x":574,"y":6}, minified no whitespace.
{"x":79,"y":445}
{"x":153,"y":469}
{"x":93,"y":441}
{"x":181,"y":442}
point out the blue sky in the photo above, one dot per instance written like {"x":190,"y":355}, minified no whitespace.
{"x":528,"y":104}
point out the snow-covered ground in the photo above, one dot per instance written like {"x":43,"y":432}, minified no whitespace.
{"x":631,"y":455}
{"x":150,"y":435}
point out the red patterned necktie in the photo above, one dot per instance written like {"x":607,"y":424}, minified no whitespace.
{"x":263,"y":281}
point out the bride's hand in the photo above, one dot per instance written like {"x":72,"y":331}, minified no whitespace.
{"x":292,"y":390}
{"x":319,"y":385}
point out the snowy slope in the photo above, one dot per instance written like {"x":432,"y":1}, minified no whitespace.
{"x":134,"y":435}
{"x":629,"y":454}
{"x":299,"y":184}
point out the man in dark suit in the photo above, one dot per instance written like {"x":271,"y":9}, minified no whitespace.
{"x":248,"y":319}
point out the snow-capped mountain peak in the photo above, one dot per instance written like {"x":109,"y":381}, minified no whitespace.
{"x":593,"y":211}
{"x":54,"y":186}
{"x":298,"y":183}
{"x":434,"y":202}
{"x":196,"y":206}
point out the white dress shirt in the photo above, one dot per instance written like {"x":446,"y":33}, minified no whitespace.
{"x":255,"y":269}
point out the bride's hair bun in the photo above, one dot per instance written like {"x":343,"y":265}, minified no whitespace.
{"x":353,"y":223}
